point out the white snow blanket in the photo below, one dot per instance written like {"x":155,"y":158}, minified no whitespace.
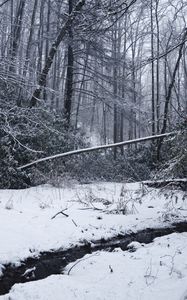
{"x":95,"y":211}
{"x":155,"y":271}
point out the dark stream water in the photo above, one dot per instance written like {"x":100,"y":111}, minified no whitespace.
{"x":53,"y":262}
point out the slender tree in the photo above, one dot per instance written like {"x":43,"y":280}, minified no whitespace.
{"x":52,"y":52}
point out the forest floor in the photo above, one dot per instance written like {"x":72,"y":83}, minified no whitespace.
{"x":30,"y":224}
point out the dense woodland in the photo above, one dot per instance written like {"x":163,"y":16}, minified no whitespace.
{"x":80,"y":73}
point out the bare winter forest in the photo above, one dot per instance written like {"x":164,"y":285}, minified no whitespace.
{"x":81,"y":73}
{"x":93,"y":149}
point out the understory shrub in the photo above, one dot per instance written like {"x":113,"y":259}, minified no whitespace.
{"x":29,"y":134}
{"x":174,"y":155}
{"x":101,"y":165}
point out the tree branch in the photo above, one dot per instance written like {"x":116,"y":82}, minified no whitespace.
{"x":60,"y":212}
{"x":4,"y":2}
{"x":87,"y":150}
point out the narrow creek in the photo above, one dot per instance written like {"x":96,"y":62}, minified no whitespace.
{"x":53,"y":262}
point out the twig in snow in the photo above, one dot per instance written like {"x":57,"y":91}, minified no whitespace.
{"x":80,"y":260}
{"x":60,"y":212}
{"x":74,"y":223}
{"x":111,"y":270}
{"x":172,"y":268}
{"x":148,"y":276}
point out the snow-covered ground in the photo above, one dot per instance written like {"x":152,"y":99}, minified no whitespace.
{"x":95,"y":211}
{"x":155,"y":271}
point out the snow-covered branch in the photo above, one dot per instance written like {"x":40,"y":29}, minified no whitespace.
{"x":102,"y":147}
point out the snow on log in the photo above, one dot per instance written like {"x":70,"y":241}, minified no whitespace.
{"x":102,"y":147}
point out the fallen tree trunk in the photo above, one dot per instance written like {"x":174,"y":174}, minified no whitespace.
{"x":86,"y":150}
{"x":177,"y":184}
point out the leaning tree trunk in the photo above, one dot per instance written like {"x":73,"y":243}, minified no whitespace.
{"x":92,"y":149}
{"x":43,"y":76}
{"x":169,"y":93}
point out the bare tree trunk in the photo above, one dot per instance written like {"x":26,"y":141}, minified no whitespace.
{"x":115,"y":133}
{"x":16,"y":33}
{"x":93,"y":115}
{"x":152,"y":71}
{"x":52,"y":52}
{"x":47,"y":45}
{"x":80,"y":91}
{"x":115,"y":87}
{"x":104,"y":124}
{"x":27,"y":56}
{"x":69,"y":75}
{"x":59,"y":104}
{"x":169,"y":93}
{"x":185,"y":81}
{"x":157,"y":71}
{"x":121,"y":130}
{"x":40,"y":38}
{"x":123,"y":82}
{"x":54,"y":82}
